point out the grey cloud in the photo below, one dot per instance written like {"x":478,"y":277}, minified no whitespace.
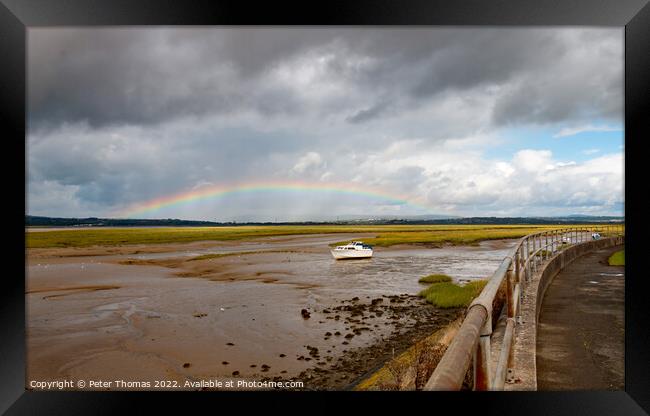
{"x":144,"y":76}
{"x":368,"y":113}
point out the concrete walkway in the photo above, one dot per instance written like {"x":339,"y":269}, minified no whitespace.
{"x":581,"y":329}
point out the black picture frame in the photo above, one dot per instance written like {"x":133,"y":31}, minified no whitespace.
{"x":17,"y":15}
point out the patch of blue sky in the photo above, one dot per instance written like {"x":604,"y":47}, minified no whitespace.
{"x":577,"y":147}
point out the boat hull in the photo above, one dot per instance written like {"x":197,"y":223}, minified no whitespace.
{"x":351,"y":254}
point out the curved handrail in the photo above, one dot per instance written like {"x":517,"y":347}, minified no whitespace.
{"x":472,"y":341}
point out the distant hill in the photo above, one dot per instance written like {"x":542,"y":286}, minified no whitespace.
{"x":36,"y":221}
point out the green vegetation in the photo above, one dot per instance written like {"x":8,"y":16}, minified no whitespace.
{"x":451,"y":295}
{"x":435,"y":278}
{"x":617,"y":259}
{"x":455,"y":235}
{"x":385,"y":235}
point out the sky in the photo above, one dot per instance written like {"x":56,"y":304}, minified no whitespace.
{"x":284,"y":124}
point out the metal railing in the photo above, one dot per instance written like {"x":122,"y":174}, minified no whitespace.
{"x":472,"y":343}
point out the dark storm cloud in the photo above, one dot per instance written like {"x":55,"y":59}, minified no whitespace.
{"x":147,"y":76}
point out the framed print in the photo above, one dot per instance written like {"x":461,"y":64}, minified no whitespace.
{"x":273,"y":202}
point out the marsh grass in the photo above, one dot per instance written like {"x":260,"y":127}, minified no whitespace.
{"x":385,"y":235}
{"x":451,"y":295}
{"x":435,"y":278}
{"x":617,"y":259}
{"x":437,"y":236}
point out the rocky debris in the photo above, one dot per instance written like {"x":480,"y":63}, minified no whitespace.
{"x":397,"y":325}
{"x":230,"y":344}
{"x":313,"y":351}
{"x":403,"y":320}
{"x":283,"y":355}
{"x":235,"y":373}
{"x":186,"y":365}
{"x":225,"y":362}
{"x":199,"y":315}
{"x":305,"y":313}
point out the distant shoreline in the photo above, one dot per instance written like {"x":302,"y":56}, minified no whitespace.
{"x":32,"y":222}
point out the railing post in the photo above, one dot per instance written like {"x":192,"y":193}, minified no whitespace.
{"x":518,"y":265}
{"x":530,"y":263}
{"x":514,"y":305}
{"x":510,"y":291}
{"x":521,"y":276}
{"x":546,"y":245}
{"x":526,"y":260}
{"x":482,"y":353}
{"x":534,"y":254}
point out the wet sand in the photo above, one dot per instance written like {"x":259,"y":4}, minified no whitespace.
{"x":151,"y":313}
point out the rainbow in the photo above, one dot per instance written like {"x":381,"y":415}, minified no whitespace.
{"x":218,"y":191}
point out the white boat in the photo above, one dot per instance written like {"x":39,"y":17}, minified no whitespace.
{"x":354,"y":250}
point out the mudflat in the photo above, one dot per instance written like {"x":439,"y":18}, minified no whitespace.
{"x":234,"y":309}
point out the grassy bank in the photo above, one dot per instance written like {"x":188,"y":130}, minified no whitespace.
{"x":617,"y":259}
{"x":451,"y":295}
{"x":435,"y":278}
{"x":385,"y":235}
